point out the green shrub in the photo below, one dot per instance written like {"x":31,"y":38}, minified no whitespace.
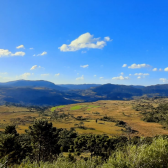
{"x":145,"y":156}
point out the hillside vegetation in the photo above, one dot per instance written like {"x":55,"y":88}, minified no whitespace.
{"x":46,"y":146}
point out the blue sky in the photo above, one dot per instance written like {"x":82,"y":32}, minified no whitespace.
{"x":72,"y":41}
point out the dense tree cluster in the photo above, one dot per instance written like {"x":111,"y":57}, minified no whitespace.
{"x":154,"y":114}
{"x":42,"y":141}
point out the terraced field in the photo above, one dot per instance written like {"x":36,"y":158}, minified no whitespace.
{"x":99,"y":117}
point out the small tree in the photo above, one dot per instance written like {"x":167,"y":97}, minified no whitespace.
{"x":81,"y":124}
{"x":11,"y":129}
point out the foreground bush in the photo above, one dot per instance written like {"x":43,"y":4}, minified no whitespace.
{"x":61,"y":163}
{"x":154,"y":155}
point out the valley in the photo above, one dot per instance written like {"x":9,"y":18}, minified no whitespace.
{"x":111,"y":117}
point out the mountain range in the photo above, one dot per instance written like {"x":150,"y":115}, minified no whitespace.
{"x":42,"y":92}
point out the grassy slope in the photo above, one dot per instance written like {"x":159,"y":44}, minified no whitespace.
{"x":119,"y":110}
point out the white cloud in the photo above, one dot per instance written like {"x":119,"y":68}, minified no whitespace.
{"x":134,"y":66}
{"x":7,"y":53}
{"x":43,"y":53}
{"x":20,"y":53}
{"x":33,"y":67}
{"x":166,"y":69}
{"x":85,"y":40}
{"x":139,"y":77}
{"x":160,"y":69}
{"x":31,"y":48}
{"x":130,"y":74}
{"x":25,"y":75}
{"x":163,"y":80}
{"x":154,"y":69}
{"x":95,"y":75}
{"x":124,"y":65}
{"x":84,"y":66}
{"x":107,"y":38}
{"x":58,"y":74}
{"x":45,"y":74}
{"x":21,"y":46}
{"x":122,"y":73}
{"x":101,"y":77}
{"x":34,"y":55}
{"x":80,"y":78}
{"x":120,"y":78}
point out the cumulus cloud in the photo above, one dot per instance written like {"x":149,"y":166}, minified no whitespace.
{"x":84,"y":66}
{"x":58,"y":74}
{"x":154,"y":69}
{"x":95,"y":75}
{"x":124,"y":65}
{"x":166,"y":69}
{"x":130,"y":74}
{"x":134,"y":66}
{"x":160,"y":69}
{"x":122,"y":73}
{"x":31,"y":48}
{"x":120,"y":78}
{"x":21,"y":46}
{"x":85,"y":40}
{"x":20,"y":53}
{"x":43,"y":53}
{"x":101,"y":77}
{"x":45,"y":75}
{"x":25,"y":75}
{"x":7,"y":53}
{"x":163,"y":80}
{"x":80,"y":78}
{"x":33,"y":67}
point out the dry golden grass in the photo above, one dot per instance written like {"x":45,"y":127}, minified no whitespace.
{"x":119,"y":110}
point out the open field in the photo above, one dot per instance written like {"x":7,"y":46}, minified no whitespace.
{"x":88,"y":115}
